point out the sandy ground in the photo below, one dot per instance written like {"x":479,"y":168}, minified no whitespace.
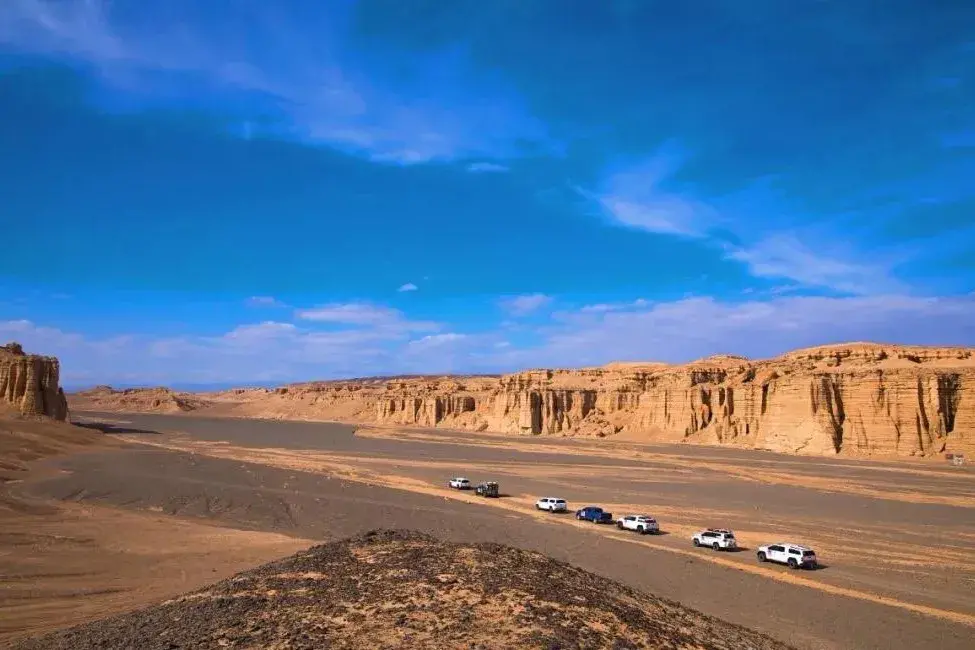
{"x":63,"y":563}
{"x":70,"y":563}
{"x":896,"y":538}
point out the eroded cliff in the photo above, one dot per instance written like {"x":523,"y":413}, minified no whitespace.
{"x":30,"y":383}
{"x":856,"y":399}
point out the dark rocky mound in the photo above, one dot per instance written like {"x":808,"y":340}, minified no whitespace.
{"x":394,"y":589}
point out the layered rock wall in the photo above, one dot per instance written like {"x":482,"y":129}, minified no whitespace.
{"x":30,"y":383}
{"x":855,"y":399}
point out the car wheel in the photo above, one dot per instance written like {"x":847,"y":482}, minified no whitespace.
{"x":761,"y":556}
{"x":642,"y":530}
{"x":793,"y":564}
{"x":619,"y":524}
{"x":716,"y":546}
{"x":695,"y":542}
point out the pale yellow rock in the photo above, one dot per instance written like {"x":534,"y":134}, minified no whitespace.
{"x":30,"y":383}
{"x":856,"y":399}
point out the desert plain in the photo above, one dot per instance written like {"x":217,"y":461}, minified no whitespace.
{"x":143,"y":507}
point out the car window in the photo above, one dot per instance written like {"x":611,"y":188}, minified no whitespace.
{"x":808,"y":553}
{"x":793,"y":551}
{"x":776,"y":547}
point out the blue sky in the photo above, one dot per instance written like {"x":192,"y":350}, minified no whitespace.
{"x":241,"y":191}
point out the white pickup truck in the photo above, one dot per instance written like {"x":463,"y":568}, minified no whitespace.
{"x":642,"y":524}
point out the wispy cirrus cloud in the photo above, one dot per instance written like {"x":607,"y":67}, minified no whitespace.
{"x":296,"y":65}
{"x":784,"y":256}
{"x":361,"y":313}
{"x":638,"y":196}
{"x":486,"y":167}
{"x":409,"y":286}
{"x":264,"y":301}
{"x":525,"y":304}
{"x":749,"y":227}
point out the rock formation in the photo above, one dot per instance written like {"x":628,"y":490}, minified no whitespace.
{"x":402,"y":589}
{"x":854,"y":399}
{"x":30,"y":383}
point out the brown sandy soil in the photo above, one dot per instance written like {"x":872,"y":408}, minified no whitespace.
{"x":401,"y":589}
{"x":23,"y":440}
{"x":66,"y":563}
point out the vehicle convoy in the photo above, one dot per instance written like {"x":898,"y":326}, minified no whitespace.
{"x":487,"y":489}
{"x":720,"y":539}
{"x":642,"y":524}
{"x":460,"y":483}
{"x":594,"y":514}
{"x":552,"y":504}
{"x":795,"y":555}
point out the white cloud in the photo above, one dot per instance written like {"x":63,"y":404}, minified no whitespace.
{"x":695,"y":327}
{"x":602,"y":307}
{"x":784,"y":256}
{"x":486,"y":167}
{"x":264,"y":301}
{"x":437,"y":340}
{"x":526,"y":304}
{"x":635,"y":197}
{"x":409,"y":286}
{"x":676,"y":331}
{"x":360,"y":313}
{"x":400,"y":108}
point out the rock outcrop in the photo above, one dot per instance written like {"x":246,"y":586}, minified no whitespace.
{"x":30,"y":383}
{"x":854,"y":399}
{"x":402,"y":589}
{"x":139,"y":400}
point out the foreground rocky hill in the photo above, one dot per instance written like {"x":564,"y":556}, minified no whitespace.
{"x":855,"y":399}
{"x":391,"y":589}
{"x":29,"y":383}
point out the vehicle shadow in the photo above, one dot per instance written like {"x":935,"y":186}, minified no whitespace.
{"x":110,"y":429}
{"x":659,"y":533}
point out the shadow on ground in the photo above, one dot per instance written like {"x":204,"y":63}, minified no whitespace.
{"x":107,"y":428}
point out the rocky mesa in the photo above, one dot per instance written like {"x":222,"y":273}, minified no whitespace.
{"x":850,"y":399}
{"x":30,"y":384}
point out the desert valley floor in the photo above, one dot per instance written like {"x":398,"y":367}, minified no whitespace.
{"x":169,"y":503}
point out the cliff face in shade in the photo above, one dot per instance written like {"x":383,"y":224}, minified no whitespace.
{"x":30,"y":383}
{"x":855,"y":399}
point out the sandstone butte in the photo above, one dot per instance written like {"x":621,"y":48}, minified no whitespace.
{"x":29,"y":384}
{"x":857,"y":399}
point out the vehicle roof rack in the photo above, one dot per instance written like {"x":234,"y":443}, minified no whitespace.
{"x":719,"y":530}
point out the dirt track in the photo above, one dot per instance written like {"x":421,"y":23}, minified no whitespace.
{"x":281,"y":487}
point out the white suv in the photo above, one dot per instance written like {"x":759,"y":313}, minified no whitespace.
{"x":794,"y":555}
{"x":640,"y":523}
{"x":717,"y":538}
{"x":460,"y":483}
{"x":552,"y":504}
